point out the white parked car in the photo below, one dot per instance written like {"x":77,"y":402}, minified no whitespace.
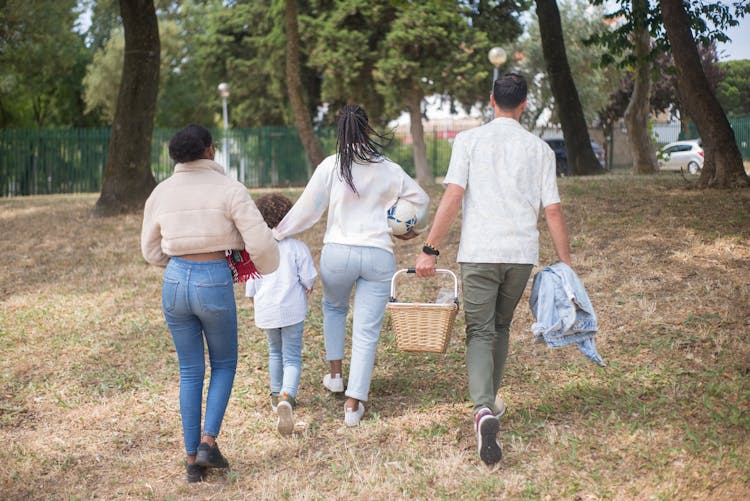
{"x":686,"y":156}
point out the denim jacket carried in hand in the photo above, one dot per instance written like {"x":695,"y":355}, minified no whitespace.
{"x":563,"y":312}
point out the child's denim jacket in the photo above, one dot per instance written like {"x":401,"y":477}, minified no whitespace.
{"x":563,"y":311}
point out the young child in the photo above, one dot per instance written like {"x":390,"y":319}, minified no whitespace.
{"x":280,"y":301}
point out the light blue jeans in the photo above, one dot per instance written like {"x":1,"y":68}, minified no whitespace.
{"x":285,"y":358}
{"x":370,"y":269}
{"x":198,"y":302}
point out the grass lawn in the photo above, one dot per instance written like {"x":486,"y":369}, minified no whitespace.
{"x":89,"y":380}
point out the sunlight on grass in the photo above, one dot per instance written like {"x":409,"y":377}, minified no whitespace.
{"x":89,"y":380}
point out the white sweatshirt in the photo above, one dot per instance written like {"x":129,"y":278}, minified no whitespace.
{"x":359,"y":218}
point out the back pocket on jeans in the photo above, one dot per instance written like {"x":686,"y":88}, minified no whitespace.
{"x":334,"y":258}
{"x":215,"y":297}
{"x":169,"y":294}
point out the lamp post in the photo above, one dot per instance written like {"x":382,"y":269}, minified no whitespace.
{"x":497,"y":57}
{"x":224,"y":93}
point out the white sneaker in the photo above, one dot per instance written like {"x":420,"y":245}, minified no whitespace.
{"x":334,"y":384}
{"x":352,"y":418}
{"x":500,"y":406}
{"x":285,"y":410}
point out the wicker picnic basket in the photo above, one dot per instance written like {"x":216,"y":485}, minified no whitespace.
{"x":423,"y":326}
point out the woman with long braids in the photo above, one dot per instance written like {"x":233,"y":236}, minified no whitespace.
{"x":357,"y":186}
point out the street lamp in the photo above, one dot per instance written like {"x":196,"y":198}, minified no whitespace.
{"x":497,"y":57}
{"x":224,"y":93}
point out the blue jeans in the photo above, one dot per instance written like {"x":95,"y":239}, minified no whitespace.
{"x":370,"y":269}
{"x":198,"y":301}
{"x":285,"y":358}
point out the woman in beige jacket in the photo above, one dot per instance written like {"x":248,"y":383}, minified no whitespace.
{"x":189,"y":221}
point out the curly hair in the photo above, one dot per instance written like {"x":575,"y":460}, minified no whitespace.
{"x":189,"y":143}
{"x":273,"y":208}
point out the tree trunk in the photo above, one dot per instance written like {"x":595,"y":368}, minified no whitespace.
{"x":684,"y":122}
{"x":294,"y":89}
{"x":722,"y":167}
{"x":581,"y":158}
{"x":128,"y":180}
{"x":637,"y":112}
{"x":421,"y":168}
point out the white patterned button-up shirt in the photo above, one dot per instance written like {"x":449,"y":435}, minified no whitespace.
{"x":508,"y":174}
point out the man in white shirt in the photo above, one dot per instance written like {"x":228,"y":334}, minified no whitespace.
{"x":500,"y":175}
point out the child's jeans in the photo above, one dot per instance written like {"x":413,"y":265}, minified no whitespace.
{"x":198,"y":301}
{"x":371,"y":269}
{"x":285,"y":358}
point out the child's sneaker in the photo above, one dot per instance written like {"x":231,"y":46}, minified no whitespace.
{"x":335,"y":384}
{"x":274,"y":400}
{"x":285,"y":410}
{"x":487,"y":426}
{"x":352,"y":417}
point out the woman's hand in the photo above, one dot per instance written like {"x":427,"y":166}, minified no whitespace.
{"x":406,"y":236}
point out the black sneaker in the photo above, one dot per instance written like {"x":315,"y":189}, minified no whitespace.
{"x":487,"y":427}
{"x":210,"y":456}
{"x":195,"y":472}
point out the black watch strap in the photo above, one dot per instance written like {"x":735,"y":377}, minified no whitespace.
{"x":432,"y":251}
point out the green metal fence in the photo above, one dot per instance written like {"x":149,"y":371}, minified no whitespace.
{"x":45,"y":161}
{"x":741,"y":128}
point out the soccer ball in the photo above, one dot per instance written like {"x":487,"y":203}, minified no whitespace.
{"x":402,"y":217}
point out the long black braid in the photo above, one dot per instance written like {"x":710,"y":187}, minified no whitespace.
{"x":355,"y":142}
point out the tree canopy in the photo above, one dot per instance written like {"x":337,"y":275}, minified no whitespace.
{"x":580,"y":21}
{"x":42,"y":63}
{"x":387,"y":55}
{"x":733,"y":91}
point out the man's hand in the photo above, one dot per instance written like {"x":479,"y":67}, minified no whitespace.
{"x":425,"y":265}
{"x":446,"y":212}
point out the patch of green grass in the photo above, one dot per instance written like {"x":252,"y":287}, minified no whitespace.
{"x":87,"y":359}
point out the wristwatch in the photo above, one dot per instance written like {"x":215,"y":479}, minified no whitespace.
{"x":430,"y":249}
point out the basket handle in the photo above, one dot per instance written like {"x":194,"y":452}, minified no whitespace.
{"x":413,"y":270}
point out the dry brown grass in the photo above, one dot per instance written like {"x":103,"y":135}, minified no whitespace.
{"x":88,"y":374}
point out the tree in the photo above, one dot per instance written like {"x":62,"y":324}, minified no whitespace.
{"x":181,"y":99}
{"x":294,"y":87}
{"x":733,"y":92}
{"x":581,"y":158}
{"x":594,"y":82}
{"x":723,"y":166}
{"x":127,"y":178}
{"x":346,"y":39}
{"x":42,"y":61}
{"x":637,"y":112}
{"x":422,"y":58}
{"x":104,"y":18}
{"x":663,"y":95}
{"x":667,"y":83}
{"x":408,"y":50}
